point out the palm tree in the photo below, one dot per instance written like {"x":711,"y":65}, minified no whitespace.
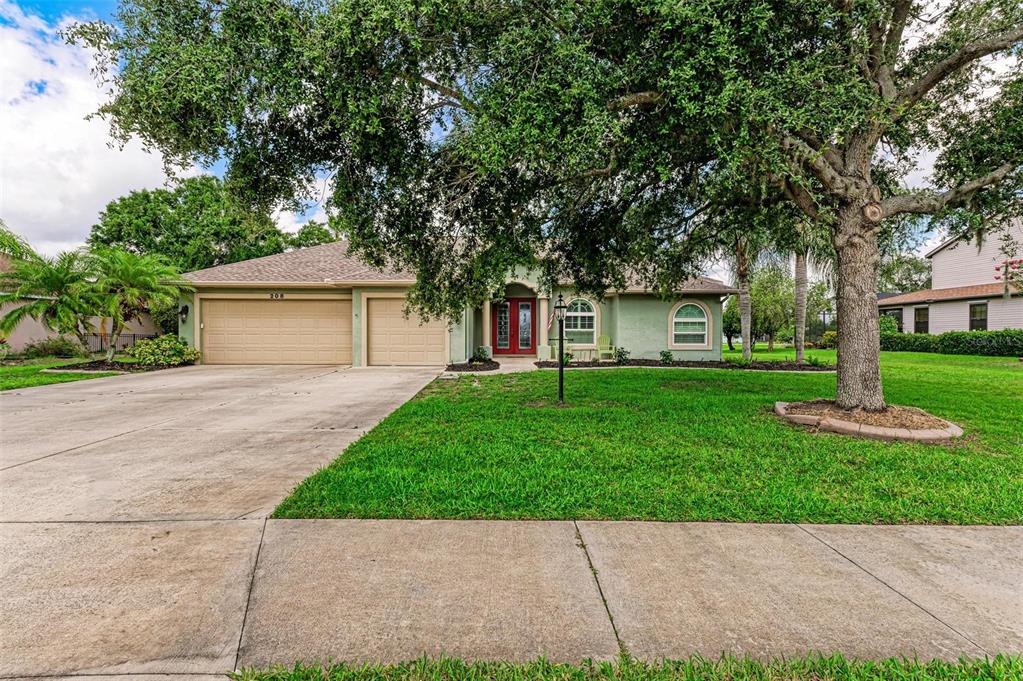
{"x":808,"y":244}
{"x":127,"y":284}
{"x":13,"y":246}
{"x":56,"y":292}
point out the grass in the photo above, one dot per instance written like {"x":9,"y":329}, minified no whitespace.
{"x":812,"y":667}
{"x":15,"y":376}
{"x":681,"y":444}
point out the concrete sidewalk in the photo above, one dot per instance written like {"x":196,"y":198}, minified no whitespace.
{"x":206,"y":596}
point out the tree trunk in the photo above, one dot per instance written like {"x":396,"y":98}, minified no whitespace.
{"x":859,"y":337}
{"x":115,"y":334}
{"x":745,"y":305}
{"x":728,"y":337}
{"x":770,"y":342}
{"x":799,"y":337}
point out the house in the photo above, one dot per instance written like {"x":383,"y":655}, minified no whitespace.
{"x":968,"y":294}
{"x":320,"y":305}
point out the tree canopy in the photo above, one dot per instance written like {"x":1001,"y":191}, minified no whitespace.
{"x":195,"y":224}
{"x":592,"y":139}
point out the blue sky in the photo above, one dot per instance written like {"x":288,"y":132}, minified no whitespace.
{"x":53,"y":10}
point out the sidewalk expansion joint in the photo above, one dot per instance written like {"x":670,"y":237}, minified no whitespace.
{"x":248,"y":598}
{"x":896,"y":591}
{"x":600,"y":590}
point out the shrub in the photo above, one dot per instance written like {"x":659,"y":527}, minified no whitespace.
{"x":740,"y":361}
{"x":907,"y":342}
{"x":58,"y":346}
{"x":815,"y":361}
{"x":829,"y":339}
{"x":1005,"y":343}
{"x":621,"y":356}
{"x":888,"y":324}
{"x":480,"y":356}
{"x":667,"y":357}
{"x":568,"y":357}
{"x":5,"y":349}
{"x":166,"y":350}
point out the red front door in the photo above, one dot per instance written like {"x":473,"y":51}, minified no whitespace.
{"x":513,"y":324}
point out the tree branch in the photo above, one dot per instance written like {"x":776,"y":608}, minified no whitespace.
{"x":949,"y":65}
{"x":801,"y":198}
{"x":930,"y":203}
{"x":635,"y":99}
{"x":450,"y":93}
{"x":815,"y":161}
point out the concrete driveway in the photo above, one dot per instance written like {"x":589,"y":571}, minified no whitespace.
{"x":131,"y":507}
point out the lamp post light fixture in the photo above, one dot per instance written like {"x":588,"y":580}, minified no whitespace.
{"x":559,"y":312}
{"x":183,"y":314}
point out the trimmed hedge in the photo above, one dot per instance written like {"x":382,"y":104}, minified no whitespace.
{"x":1005,"y":343}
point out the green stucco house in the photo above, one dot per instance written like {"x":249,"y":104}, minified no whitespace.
{"x":320,"y":305}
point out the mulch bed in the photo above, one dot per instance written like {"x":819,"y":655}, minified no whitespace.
{"x":489,"y":365}
{"x":754,"y":366}
{"x":892,"y":417}
{"x":101,"y":365}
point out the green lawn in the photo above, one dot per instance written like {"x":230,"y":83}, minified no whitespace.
{"x":810,"y":668}
{"x":16,"y":376}
{"x":682,"y":444}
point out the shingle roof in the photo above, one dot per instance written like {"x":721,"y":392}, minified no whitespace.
{"x":315,"y":265}
{"x":939,"y":294}
{"x":331,"y":263}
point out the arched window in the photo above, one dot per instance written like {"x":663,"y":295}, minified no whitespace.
{"x":689,"y":325}
{"x":580,"y":322}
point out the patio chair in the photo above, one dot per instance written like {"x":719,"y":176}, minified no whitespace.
{"x":604,"y":347}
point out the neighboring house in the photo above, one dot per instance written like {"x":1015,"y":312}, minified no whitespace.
{"x":968,"y":294}
{"x":30,"y":331}
{"x":320,"y":305}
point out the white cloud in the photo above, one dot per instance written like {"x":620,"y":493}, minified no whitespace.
{"x":57,"y":170}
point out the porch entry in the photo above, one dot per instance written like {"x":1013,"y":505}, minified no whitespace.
{"x":513,"y":330}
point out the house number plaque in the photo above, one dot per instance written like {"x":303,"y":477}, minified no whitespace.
{"x":276,"y":296}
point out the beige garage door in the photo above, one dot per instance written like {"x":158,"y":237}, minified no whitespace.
{"x":277,"y":331}
{"x":396,"y":340}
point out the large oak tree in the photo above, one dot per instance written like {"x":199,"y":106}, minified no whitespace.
{"x":593,"y":139}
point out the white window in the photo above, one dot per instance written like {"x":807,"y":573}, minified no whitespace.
{"x":689,"y":325}
{"x":580,"y":323}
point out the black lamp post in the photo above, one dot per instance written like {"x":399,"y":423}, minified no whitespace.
{"x":559,"y":311}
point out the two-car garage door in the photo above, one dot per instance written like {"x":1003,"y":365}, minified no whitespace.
{"x":261,"y":331}
{"x":276,"y":331}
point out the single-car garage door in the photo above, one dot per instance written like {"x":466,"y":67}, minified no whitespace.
{"x":276,"y":331}
{"x":398,"y":340}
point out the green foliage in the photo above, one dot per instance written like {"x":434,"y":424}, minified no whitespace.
{"x":127,"y":284}
{"x":163,"y":351}
{"x":13,"y":246}
{"x":812,"y":667}
{"x":586,"y":135}
{"x":902,"y":273}
{"x":194,"y":225}
{"x":667,"y":357}
{"x":479,"y":356}
{"x":621,"y":356}
{"x":739,"y":360}
{"x":731,"y":320}
{"x":1004,"y":343}
{"x":165,"y":316}
{"x":888,"y":323}
{"x":566,"y":357}
{"x":313,"y":233}
{"x":772,"y":295}
{"x":908,"y":342}
{"x":57,"y":292}
{"x":829,"y":339}
{"x":816,"y":361}
{"x":56,"y":346}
